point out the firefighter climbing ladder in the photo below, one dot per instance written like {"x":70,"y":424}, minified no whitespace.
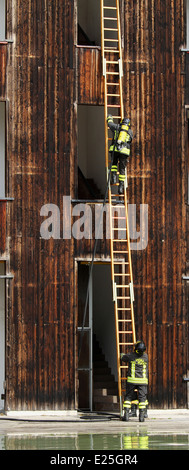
{"x":121,"y":266}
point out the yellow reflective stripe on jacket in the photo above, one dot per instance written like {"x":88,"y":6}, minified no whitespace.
{"x":139,"y":380}
{"x":124,"y":150}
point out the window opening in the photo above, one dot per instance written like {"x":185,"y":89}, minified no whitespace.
{"x":85,"y":368}
{"x":91,"y":152}
{"x":98,"y":332}
{"x":89,"y":25}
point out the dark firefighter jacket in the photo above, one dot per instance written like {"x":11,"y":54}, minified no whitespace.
{"x":138,"y":368}
{"x":115,"y":128}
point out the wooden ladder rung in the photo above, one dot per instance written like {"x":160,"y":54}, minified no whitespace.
{"x":110,"y":29}
{"x":119,"y":297}
{"x":125,"y":332}
{"x":121,"y":274}
{"x":122,"y":285}
{"x":116,"y":117}
{"x":114,"y":105}
{"x":111,"y":50}
{"x":112,"y":73}
{"x":124,"y":308}
{"x":112,"y":84}
{"x":110,"y":18}
{"x":109,"y":8}
{"x":124,"y":320}
{"x":110,"y":40}
{"x":121,"y":262}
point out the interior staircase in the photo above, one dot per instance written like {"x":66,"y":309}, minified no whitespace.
{"x":105,"y":388}
{"x":87,"y":188}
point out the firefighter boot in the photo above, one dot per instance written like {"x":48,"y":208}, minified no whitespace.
{"x":126,"y":409}
{"x":141,"y":416}
{"x":133,"y":412}
{"x":126,"y":414}
{"x":121,"y":187}
{"x":113,"y":177}
{"x":146,"y":412}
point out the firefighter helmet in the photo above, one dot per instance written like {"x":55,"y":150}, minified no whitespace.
{"x":126,"y":121}
{"x":140,"y":347}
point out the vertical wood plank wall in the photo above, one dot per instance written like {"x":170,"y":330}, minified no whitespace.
{"x":42,"y":167}
{"x":41,"y":159}
{"x":3,"y":227}
{"x":3,"y":64}
{"x":155,"y":96}
{"x":154,"y":90}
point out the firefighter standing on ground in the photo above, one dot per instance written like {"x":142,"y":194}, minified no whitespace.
{"x":122,"y":138}
{"x":137,"y":378}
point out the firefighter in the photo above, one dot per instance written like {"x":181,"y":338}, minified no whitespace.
{"x":137,"y":379}
{"x":122,"y":138}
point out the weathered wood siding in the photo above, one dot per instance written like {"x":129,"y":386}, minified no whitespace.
{"x":42,"y":167}
{"x":90,"y":79}
{"x":3,"y":227}
{"x":41,"y":159}
{"x":3,"y":64}
{"x":154,"y":92}
{"x":154,"y":97}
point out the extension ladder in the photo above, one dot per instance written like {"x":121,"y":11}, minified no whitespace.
{"x":121,"y":266}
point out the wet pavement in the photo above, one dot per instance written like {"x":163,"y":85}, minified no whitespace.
{"x":86,"y":440}
{"x":157,"y":421}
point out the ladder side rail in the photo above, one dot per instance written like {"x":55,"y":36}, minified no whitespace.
{"x":105,"y":87}
{"x":102,"y":27}
{"x":105,"y":124}
{"x":111,"y":237}
{"x":130,"y":262}
{"x":121,"y":59}
{"x":114,"y":287}
{"x":118,"y":349}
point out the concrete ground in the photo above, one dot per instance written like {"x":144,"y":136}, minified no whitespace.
{"x":158,"y":421}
